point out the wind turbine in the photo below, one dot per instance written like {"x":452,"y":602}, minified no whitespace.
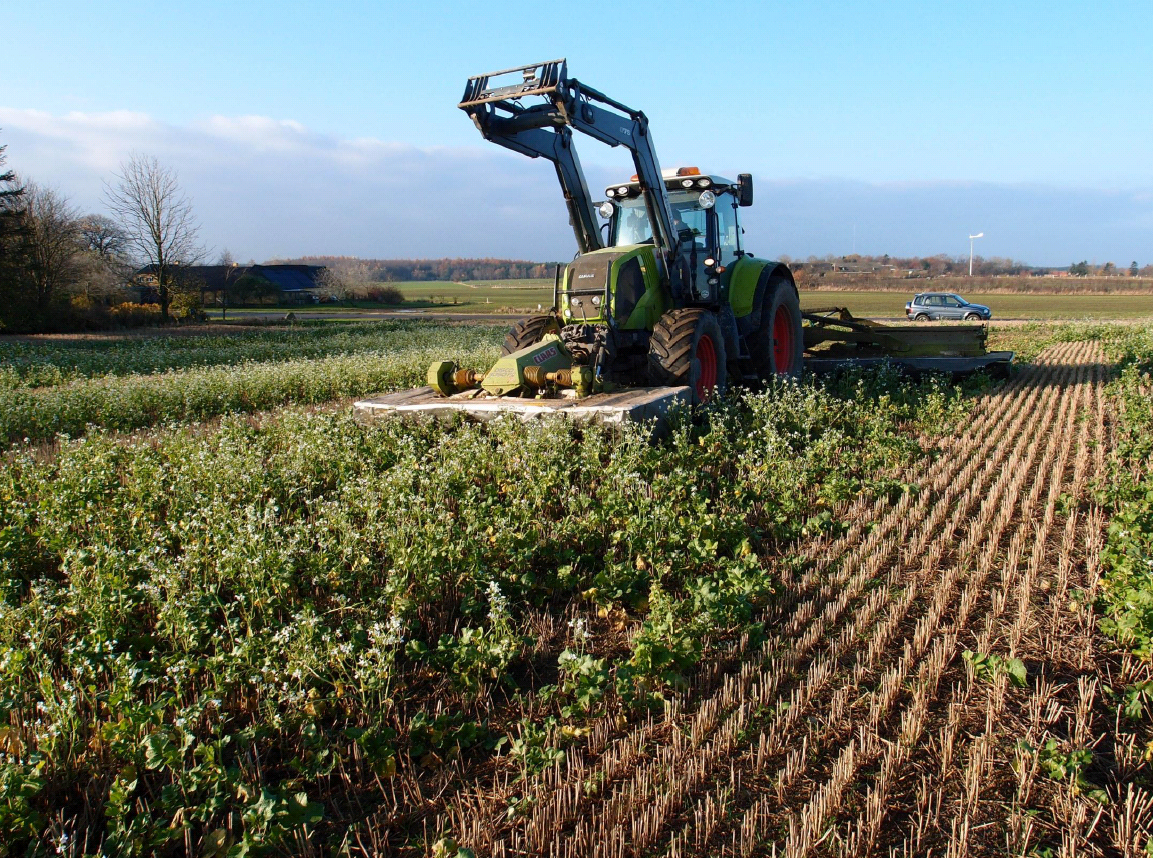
{"x":971,"y":238}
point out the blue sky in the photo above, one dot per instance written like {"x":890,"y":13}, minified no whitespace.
{"x":888,"y":127}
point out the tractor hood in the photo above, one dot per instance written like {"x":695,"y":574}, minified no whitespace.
{"x":602,"y":280}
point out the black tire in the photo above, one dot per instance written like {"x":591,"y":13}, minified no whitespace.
{"x":972,"y":317}
{"x":777,"y":345}
{"x":687,"y":348}
{"x":527,"y":332}
{"x":921,"y":317}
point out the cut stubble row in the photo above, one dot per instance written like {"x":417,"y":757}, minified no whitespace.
{"x":856,"y":726}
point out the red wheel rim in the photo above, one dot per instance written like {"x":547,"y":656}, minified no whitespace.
{"x":707,"y":358}
{"x":783,"y":353}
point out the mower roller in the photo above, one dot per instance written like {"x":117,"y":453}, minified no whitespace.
{"x":662,"y":303}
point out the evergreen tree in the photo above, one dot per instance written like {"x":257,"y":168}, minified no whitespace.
{"x":13,"y":270}
{"x":11,"y":207}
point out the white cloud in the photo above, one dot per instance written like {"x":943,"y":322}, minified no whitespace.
{"x":266,"y":187}
{"x":259,"y":132}
{"x":272,"y":187}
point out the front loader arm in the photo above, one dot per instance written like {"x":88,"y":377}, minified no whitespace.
{"x":543,"y":129}
{"x":557,"y":146}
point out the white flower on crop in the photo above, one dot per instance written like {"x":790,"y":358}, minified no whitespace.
{"x":579,"y":628}
{"x":395,"y":631}
{"x":386,"y":636}
{"x":497,"y":602}
{"x":282,"y":636}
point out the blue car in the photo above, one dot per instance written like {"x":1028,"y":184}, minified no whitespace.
{"x":934,"y":306}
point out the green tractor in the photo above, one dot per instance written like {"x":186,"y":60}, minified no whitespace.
{"x":661,"y":294}
{"x":662,"y":304}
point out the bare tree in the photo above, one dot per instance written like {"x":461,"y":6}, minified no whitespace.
{"x":103,"y":236}
{"x":157,"y":220}
{"x":52,"y":242}
{"x":232,"y":273}
{"x":332,"y":285}
{"x":106,"y":266}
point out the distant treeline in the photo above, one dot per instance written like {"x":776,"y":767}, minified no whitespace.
{"x":1003,"y":284}
{"x":942,"y":265}
{"x":354,"y":269}
{"x":402,"y":270}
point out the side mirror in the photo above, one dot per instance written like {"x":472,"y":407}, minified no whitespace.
{"x":745,"y":189}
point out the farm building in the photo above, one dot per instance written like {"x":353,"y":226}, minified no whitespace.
{"x":242,"y":284}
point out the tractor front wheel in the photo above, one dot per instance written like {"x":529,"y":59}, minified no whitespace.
{"x":686,"y":349}
{"x":778,"y":345}
{"x":527,"y":332}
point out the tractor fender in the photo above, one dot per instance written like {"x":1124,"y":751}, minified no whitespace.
{"x":749,"y":285}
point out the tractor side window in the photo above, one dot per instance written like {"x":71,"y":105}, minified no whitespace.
{"x":630,"y":288}
{"x":726,"y":227}
{"x":690,"y":215}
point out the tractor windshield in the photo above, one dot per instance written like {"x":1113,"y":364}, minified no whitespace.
{"x":632,"y":221}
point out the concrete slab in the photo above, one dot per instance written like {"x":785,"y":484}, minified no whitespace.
{"x":633,"y":405}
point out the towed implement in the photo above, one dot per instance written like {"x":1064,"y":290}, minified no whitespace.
{"x":662,"y":302}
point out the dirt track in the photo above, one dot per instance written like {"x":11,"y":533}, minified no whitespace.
{"x":859,"y":728}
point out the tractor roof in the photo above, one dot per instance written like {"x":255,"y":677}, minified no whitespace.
{"x":676,"y":179}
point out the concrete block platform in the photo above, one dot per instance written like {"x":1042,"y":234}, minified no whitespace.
{"x":632,"y":405}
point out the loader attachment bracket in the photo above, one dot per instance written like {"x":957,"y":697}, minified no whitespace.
{"x":537,"y":79}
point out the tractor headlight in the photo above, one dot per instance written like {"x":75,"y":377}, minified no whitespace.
{"x":686,"y":183}
{"x":704,"y":183}
{"x":707,"y":199}
{"x":610,"y":192}
{"x":575,"y":301}
{"x":622,"y":191}
{"x":596,"y":300}
{"x":606,"y":209}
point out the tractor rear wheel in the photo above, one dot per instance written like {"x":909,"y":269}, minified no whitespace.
{"x":687,"y":348}
{"x":527,"y":332}
{"x":778,"y":344}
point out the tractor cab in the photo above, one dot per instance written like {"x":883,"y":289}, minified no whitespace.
{"x":704,"y":210}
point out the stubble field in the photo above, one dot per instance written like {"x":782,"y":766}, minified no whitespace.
{"x":855,"y":616}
